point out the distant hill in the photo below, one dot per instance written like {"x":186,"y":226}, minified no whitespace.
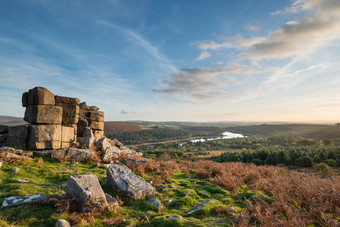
{"x":313,"y":131}
{"x":9,"y":120}
{"x":113,"y":127}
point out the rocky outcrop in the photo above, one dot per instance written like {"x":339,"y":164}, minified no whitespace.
{"x":56,"y":122}
{"x":110,"y":153}
{"x":87,"y":191}
{"x":82,"y":155}
{"x":16,"y":200}
{"x":121,"y":178}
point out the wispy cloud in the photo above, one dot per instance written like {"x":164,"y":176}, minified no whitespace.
{"x":251,"y":27}
{"x":203,"y":55}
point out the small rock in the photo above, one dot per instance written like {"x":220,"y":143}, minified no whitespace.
{"x":28,"y":154}
{"x":74,"y":163}
{"x":43,"y":153}
{"x":62,"y":223}
{"x":218,"y":221}
{"x":161,"y":187}
{"x":1,"y":163}
{"x":15,"y":200}
{"x":16,"y":170}
{"x":200,"y":207}
{"x":232,"y":209}
{"x":22,"y":181}
{"x":145,"y":218}
{"x":64,"y":185}
{"x":96,"y":165}
{"x":168,"y":202}
{"x":106,"y":165}
{"x":174,"y":217}
{"x":153,"y":200}
{"x":111,"y":201}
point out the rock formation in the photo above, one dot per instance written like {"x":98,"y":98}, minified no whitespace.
{"x":55,"y":122}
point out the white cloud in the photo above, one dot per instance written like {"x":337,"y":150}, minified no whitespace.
{"x":203,"y":55}
{"x":319,"y":26}
{"x":125,"y":111}
{"x":251,"y":27}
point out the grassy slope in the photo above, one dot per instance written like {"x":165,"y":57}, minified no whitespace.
{"x":186,"y":185}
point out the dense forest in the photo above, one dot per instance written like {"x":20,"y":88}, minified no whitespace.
{"x":150,"y":135}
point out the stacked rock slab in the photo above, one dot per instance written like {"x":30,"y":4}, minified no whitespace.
{"x":56,"y":122}
{"x":90,"y":118}
{"x":45,"y":118}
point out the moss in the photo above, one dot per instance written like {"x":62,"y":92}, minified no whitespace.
{"x":163,"y":221}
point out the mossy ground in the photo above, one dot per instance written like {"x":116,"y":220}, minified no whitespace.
{"x":182,"y":194}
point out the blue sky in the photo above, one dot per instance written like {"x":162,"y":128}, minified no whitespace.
{"x":194,"y":60}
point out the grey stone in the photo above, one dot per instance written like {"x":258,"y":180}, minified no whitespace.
{"x":59,"y":154}
{"x":87,"y":140}
{"x":87,"y":190}
{"x":70,"y":109}
{"x":1,"y":163}
{"x":121,"y":178}
{"x":153,"y":201}
{"x":16,"y":170}
{"x":96,"y":116}
{"x":24,"y":99}
{"x":17,"y":157}
{"x":43,"y":153}
{"x":40,"y":96}
{"x":94,"y":108}
{"x":97,"y":125}
{"x":111,"y":201}
{"x":84,"y":106}
{"x":160,"y":187}
{"x":44,"y":114}
{"x":3,"y":129}
{"x":110,"y":153}
{"x":44,"y":137}
{"x":145,"y":218}
{"x":62,"y":223}
{"x":17,"y":136}
{"x":174,"y":217}
{"x":16,"y":200}
{"x":28,"y":154}
{"x":67,"y":134}
{"x":82,"y":155}
{"x":98,"y":134}
{"x":116,"y":143}
{"x":22,"y":181}
{"x":103,"y":144}
{"x":201,"y":206}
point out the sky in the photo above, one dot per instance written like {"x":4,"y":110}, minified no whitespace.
{"x":175,"y":60}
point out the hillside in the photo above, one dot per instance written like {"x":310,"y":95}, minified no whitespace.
{"x":10,"y":120}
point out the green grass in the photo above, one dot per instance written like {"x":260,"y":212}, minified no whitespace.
{"x":185,"y":191}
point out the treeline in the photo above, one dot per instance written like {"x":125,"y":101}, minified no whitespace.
{"x":150,"y":135}
{"x":304,"y":156}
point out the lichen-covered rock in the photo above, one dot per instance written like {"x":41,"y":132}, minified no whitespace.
{"x":16,"y":200}
{"x":153,"y":201}
{"x":103,"y":144}
{"x":121,"y":178}
{"x":110,"y":153}
{"x":17,"y":157}
{"x":40,"y":96}
{"x":43,"y":114}
{"x":87,"y":191}
{"x":98,"y":134}
{"x":111,"y":201}
{"x":97,"y":125}
{"x":87,"y":140}
{"x":82,"y":155}
{"x":70,"y":109}
{"x":44,"y":137}
{"x":96,"y":116}
{"x":201,"y":206}
{"x":62,"y":223}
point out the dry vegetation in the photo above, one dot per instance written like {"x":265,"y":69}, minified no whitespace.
{"x":297,"y":199}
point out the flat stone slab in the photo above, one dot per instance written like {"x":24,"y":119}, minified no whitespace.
{"x":16,"y":200}
{"x":43,"y":114}
{"x":121,"y":178}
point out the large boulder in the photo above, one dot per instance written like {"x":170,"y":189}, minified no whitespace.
{"x":70,"y":109}
{"x":87,"y":191}
{"x":43,"y":114}
{"x":17,"y":136}
{"x":121,"y":178}
{"x":103,"y":144}
{"x":110,"y":153}
{"x":39,"y":96}
{"x":16,"y":200}
{"x":44,"y":137}
{"x":82,"y":155}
